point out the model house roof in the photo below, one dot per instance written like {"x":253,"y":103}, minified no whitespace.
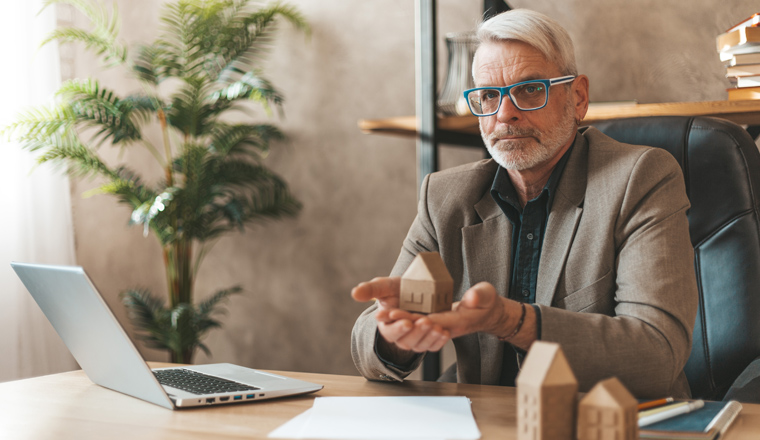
{"x":545,"y":365}
{"x":428,"y":266}
{"x":610,"y":393}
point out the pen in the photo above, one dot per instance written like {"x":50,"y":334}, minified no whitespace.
{"x":654,"y":403}
{"x":660,"y":409}
{"x":664,"y":415}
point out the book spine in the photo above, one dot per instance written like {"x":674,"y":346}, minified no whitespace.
{"x":748,"y":81}
{"x":738,"y":40}
{"x":752,"y":21}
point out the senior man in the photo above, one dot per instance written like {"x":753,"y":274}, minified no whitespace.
{"x":565,"y":235}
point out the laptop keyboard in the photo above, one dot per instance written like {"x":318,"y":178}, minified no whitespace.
{"x":198,"y":383}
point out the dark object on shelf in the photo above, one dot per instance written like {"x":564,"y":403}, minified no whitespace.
{"x":461,"y":48}
{"x":494,"y":7}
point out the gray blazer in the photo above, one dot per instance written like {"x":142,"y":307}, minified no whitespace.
{"x":616,"y":283}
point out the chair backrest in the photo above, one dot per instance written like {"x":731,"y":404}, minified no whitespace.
{"x":721,"y":167}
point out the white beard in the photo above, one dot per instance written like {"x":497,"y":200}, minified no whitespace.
{"x":524,"y":154}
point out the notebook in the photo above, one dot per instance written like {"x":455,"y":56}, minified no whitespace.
{"x":709,"y":422}
{"x":85,"y":323}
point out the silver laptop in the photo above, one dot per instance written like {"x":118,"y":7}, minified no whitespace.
{"x":102,"y":348}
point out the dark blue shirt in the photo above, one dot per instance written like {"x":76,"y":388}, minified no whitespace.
{"x":528,"y":229}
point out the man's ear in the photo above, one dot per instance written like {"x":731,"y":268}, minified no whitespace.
{"x":580,"y":96}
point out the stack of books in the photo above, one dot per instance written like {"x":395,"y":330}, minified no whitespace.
{"x":739,"y":50}
{"x":692,"y":420}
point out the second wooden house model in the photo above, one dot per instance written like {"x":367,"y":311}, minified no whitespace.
{"x":608,"y":411}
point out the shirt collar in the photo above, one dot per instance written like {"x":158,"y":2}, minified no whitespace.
{"x":502,"y":188}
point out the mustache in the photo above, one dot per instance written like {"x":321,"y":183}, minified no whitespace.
{"x":513,"y":131}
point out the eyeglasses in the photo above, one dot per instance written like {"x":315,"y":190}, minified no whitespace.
{"x":526,"y":95}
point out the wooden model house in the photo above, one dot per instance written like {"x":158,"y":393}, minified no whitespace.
{"x":427,"y":286}
{"x":608,"y":411}
{"x":546,"y":395}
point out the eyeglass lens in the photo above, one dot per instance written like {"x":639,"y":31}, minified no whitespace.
{"x":525,"y":96}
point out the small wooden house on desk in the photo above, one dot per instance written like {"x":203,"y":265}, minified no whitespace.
{"x":546,"y":395}
{"x":427,"y":286}
{"x":608,"y":411}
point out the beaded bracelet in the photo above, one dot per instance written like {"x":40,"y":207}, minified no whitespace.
{"x":519,"y":325}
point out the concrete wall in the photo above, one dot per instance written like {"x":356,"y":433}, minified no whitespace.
{"x":359,"y":191}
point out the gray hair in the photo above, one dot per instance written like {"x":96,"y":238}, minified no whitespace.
{"x":534,"y":29}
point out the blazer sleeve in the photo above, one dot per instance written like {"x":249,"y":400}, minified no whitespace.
{"x":420,"y":238}
{"x":648,"y":340}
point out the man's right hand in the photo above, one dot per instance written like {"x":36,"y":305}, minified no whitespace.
{"x":403,"y":333}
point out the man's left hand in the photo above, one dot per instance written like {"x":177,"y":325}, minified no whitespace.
{"x":482,"y":310}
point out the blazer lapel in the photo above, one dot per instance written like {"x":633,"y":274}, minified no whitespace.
{"x":487,"y":245}
{"x":487,"y":257}
{"x":565,"y":214}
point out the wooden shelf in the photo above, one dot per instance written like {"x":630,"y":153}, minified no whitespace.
{"x":740,"y":112}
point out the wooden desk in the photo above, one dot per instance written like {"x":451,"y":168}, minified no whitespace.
{"x":68,"y":405}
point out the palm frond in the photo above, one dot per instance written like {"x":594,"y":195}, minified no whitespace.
{"x":179,"y":329}
{"x":198,"y":189}
{"x":244,"y":198}
{"x":37,"y":124}
{"x":239,"y":173}
{"x":156,"y":212}
{"x":155,"y":63}
{"x":149,"y":315}
{"x":272,"y":201}
{"x":243,"y":139}
{"x":67,"y":149}
{"x":89,"y":91}
{"x":260,"y":26}
{"x":250,"y":86}
{"x":209,"y":306}
{"x":262,"y":18}
{"x":98,"y":106}
{"x":184,"y":334}
{"x":204,"y":348}
{"x":103,"y":37}
{"x":144,"y":307}
{"x":128,"y":188}
{"x":140,"y":108}
{"x":189,"y":113}
{"x":183,"y":32}
{"x":213,"y":38}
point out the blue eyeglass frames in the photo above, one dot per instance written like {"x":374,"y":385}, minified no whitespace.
{"x":526,"y":95}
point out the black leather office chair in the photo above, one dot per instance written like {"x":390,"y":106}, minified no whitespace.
{"x":721,"y":166}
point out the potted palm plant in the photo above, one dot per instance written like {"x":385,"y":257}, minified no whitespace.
{"x":203,"y":65}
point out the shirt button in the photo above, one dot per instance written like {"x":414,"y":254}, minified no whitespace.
{"x":526,"y":293}
{"x":529,"y":236}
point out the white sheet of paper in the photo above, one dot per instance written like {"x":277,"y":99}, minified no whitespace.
{"x":386,"y":417}
{"x":293,"y":427}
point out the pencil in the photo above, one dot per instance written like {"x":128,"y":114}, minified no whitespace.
{"x":654,"y":403}
{"x":659,"y":417}
{"x":663,"y":408}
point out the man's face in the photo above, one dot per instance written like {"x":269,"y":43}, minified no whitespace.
{"x":522,"y":140}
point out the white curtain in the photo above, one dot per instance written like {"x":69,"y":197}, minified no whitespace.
{"x":35,"y":209}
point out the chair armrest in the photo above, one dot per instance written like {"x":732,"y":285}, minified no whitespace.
{"x":450,"y":375}
{"x":746,"y":387}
